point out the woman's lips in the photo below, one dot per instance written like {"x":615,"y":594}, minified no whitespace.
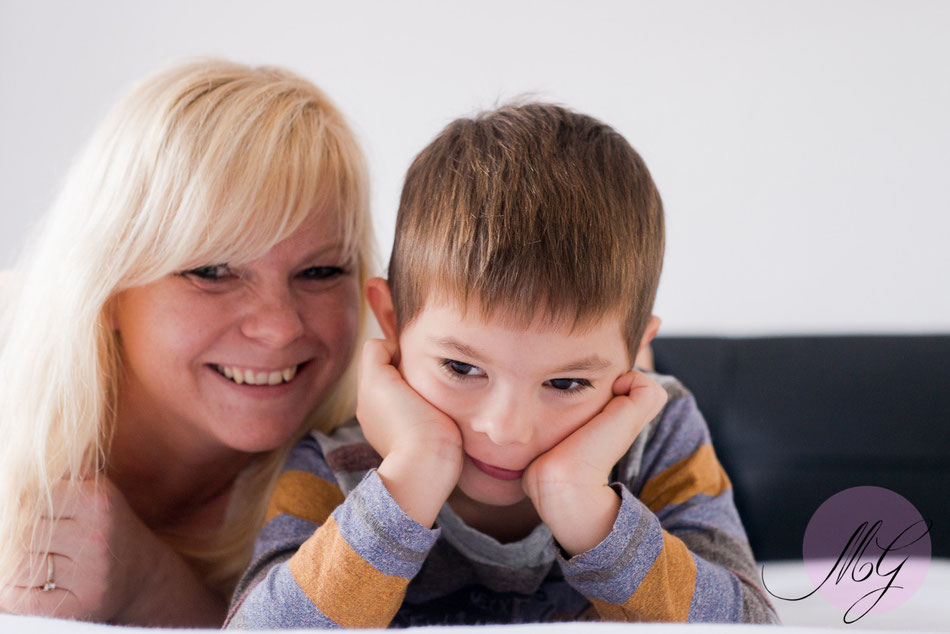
{"x":497,"y":472}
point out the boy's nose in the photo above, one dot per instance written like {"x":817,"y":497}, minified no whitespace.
{"x":274,"y":321}
{"x":505,"y":423}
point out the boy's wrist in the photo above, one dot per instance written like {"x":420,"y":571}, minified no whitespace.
{"x":580,"y":524}
{"x":419,"y":482}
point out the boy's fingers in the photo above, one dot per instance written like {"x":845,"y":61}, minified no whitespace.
{"x":641,"y":390}
{"x":377,"y":355}
{"x":379,"y":351}
{"x":611,"y":432}
{"x":623,"y":382}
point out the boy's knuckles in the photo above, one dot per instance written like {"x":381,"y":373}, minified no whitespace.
{"x":546,"y":474}
{"x":622,"y":408}
{"x":445,"y":446}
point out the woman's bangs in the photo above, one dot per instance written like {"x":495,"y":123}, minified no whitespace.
{"x":272,"y":189}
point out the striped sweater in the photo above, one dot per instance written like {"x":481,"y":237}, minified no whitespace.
{"x":337,"y":551}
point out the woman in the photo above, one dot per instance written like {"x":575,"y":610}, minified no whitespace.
{"x":188,"y":311}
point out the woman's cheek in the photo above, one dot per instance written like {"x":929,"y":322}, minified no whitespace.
{"x":336,"y":317}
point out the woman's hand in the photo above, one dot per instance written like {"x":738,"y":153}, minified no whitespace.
{"x":106,"y":565}
{"x":421,"y":446}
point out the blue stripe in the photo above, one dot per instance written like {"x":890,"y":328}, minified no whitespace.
{"x":717,"y":596}
{"x":282,"y":532}
{"x":704,"y":512}
{"x":380,"y":532}
{"x":278,"y":602}
{"x":307,"y":456}
{"x":680,"y":432}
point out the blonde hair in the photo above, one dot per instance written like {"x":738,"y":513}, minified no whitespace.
{"x":530,"y":208}
{"x":205,"y":162}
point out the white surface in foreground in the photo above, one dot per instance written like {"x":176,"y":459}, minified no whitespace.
{"x":926,"y":611}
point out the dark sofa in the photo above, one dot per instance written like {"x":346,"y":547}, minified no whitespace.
{"x":796,"y":419}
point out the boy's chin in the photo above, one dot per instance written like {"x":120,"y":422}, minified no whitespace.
{"x":490,"y":491}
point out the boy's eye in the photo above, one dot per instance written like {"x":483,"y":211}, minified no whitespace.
{"x":210,"y":273}
{"x":568,"y":385}
{"x":459,"y":369}
{"x":322,"y":272}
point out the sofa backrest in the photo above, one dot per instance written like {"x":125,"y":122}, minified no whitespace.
{"x":794,"y":420}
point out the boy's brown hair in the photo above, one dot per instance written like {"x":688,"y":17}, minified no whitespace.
{"x":530,"y":210}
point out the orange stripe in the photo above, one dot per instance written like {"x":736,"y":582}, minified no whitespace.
{"x":698,"y":473}
{"x":343,"y":585}
{"x":664,"y":594}
{"x":304,"y":495}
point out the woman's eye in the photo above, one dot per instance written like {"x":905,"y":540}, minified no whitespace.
{"x":322,"y":272}
{"x":460,"y":369}
{"x":210,"y":273}
{"x":568,"y":385}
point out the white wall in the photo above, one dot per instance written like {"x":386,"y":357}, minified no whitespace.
{"x":802,"y":148}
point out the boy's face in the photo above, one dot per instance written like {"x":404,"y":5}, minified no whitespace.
{"x":514,"y":392}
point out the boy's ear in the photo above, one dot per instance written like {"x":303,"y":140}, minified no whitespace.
{"x":381,"y":301}
{"x":644,"y":358}
{"x":653,"y":326}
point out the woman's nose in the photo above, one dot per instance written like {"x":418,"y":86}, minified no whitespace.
{"x":504,"y":421}
{"x":274,"y":321}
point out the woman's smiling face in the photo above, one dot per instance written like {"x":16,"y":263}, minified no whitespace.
{"x":236,"y":356}
{"x":514,"y":392}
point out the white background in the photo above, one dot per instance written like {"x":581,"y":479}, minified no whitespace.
{"x":802,"y":148}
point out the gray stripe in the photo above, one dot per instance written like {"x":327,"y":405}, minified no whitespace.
{"x":720,"y":548}
{"x":629,"y":552}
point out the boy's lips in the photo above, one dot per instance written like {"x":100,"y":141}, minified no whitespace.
{"x":497,"y":472}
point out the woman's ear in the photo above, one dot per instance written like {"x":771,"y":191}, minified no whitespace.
{"x":381,"y":301}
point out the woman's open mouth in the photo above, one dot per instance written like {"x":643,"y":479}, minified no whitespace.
{"x":497,"y":472}
{"x":250,"y":376}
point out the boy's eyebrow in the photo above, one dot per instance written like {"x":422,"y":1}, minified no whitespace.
{"x":593,"y":363}
{"x":458,"y":346}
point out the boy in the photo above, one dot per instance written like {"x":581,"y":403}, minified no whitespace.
{"x":507,"y":464}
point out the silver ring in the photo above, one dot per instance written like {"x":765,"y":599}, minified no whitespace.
{"x":50,"y":584}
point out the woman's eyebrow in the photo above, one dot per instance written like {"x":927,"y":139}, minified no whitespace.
{"x":463,"y":349}
{"x":326,"y":248}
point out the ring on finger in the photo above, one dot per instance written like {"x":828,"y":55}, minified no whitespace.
{"x":50,"y":570}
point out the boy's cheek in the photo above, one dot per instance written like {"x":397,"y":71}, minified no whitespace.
{"x":589,"y":411}
{"x":579,"y":418}
{"x":428,"y":387}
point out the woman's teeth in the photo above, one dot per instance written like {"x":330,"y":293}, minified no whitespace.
{"x":251,"y":377}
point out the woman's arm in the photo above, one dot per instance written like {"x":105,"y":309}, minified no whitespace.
{"x":107,"y":565}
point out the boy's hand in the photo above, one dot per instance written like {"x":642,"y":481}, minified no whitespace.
{"x":568,"y":484}
{"x":421,"y":447}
